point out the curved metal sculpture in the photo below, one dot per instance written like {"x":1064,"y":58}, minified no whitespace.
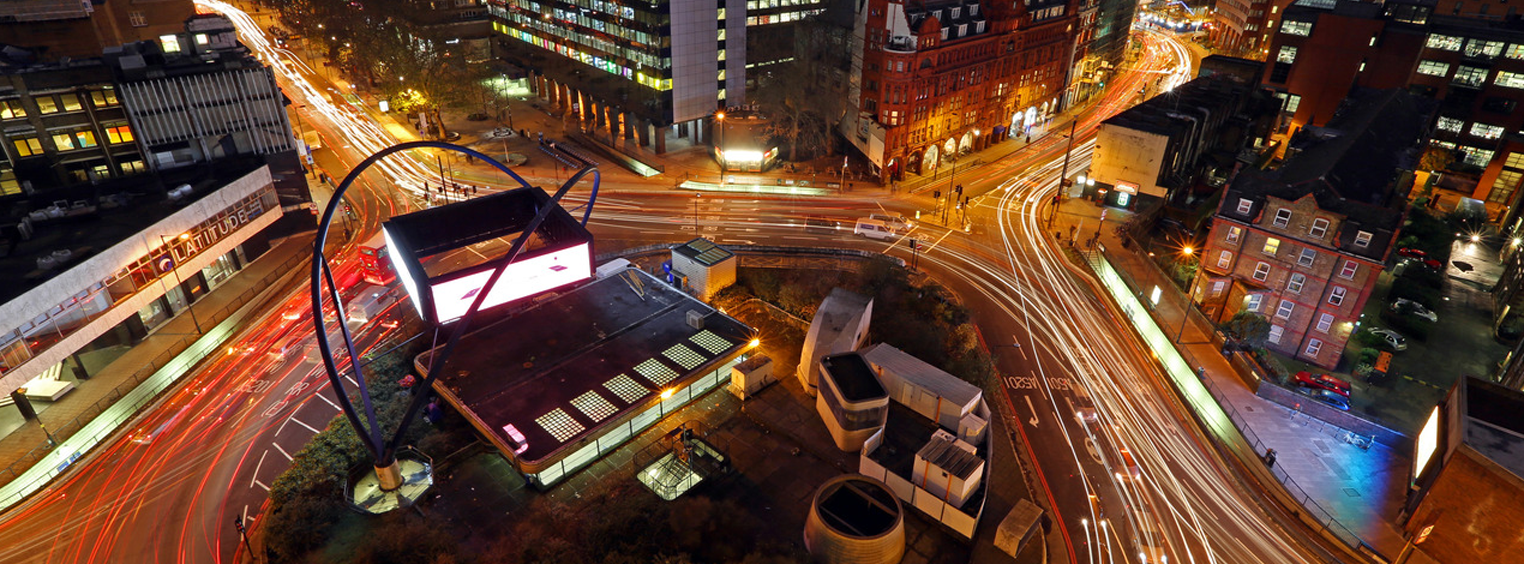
{"x":384,"y":453}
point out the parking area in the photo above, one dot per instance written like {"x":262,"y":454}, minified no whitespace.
{"x":1459,"y":343}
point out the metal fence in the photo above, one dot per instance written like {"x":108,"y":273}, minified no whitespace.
{"x":126,"y":388}
{"x":1312,"y":511}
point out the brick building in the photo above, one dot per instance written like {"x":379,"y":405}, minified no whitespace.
{"x":1473,"y":67}
{"x":1467,"y":498}
{"x":1244,"y":26}
{"x":1303,"y":245}
{"x":71,"y":28}
{"x":934,"y":80}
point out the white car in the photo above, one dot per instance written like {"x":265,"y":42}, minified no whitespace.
{"x":894,"y":221}
{"x":1399,"y":304}
{"x":1393,"y":340}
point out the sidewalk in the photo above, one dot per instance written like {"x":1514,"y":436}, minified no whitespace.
{"x":1356,"y":493}
{"x":113,"y":396}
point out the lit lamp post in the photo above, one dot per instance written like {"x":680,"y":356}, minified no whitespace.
{"x":719,"y":123}
{"x":1189,"y":253}
{"x":174,"y":266}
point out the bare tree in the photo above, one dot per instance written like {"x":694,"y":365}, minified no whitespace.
{"x":800,"y":112}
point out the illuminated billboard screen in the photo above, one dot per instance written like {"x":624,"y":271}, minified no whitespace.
{"x":445,"y":254}
{"x":1428,"y":442}
{"x":523,"y":278}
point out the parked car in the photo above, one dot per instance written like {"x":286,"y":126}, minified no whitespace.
{"x":1392,"y":339}
{"x":1412,"y":253}
{"x":1321,"y":382}
{"x":1330,"y":397}
{"x":1404,"y":305}
{"x":1433,"y":265}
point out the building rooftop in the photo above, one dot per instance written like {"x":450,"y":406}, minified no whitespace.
{"x":1492,"y":424}
{"x":559,"y":370}
{"x":95,"y":217}
{"x":853,"y":377}
{"x":1164,"y":114}
{"x":923,"y":375}
{"x":703,"y":251}
{"x":840,"y":311}
{"x":1351,"y":167}
{"x":943,"y":451}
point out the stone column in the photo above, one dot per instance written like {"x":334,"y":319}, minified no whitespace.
{"x":630,"y":123}
{"x":642,"y":132}
{"x":661,"y":140}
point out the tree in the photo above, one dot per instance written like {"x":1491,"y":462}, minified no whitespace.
{"x":1249,"y":328}
{"x":801,"y":112}
{"x":1436,"y":158}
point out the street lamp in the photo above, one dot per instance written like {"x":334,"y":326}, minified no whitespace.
{"x":719,"y":122}
{"x":175,"y":267}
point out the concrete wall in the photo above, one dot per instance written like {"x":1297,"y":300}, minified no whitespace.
{"x":1129,"y":156}
{"x":1342,"y":419}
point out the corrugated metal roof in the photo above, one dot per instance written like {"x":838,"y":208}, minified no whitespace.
{"x":901,"y":365}
{"x":943,"y":452}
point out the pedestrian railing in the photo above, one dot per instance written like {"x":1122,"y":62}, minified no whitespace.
{"x":95,"y":419}
{"x":1101,"y":263}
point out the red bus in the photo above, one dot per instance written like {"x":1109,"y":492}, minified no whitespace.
{"x":375,"y":262}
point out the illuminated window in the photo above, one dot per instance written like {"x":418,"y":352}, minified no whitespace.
{"x":1486,"y":131}
{"x":1363,"y":239}
{"x":1290,"y":27}
{"x":1271,"y":246}
{"x":1286,"y":55}
{"x":84,"y":139}
{"x":1298,"y":280}
{"x":1253,"y":301}
{"x":169,"y":43}
{"x":12,"y":109}
{"x":683,"y":356}
{"x":64,"y":141}
{"x":1509,"y":79}
{"x":593,"y":406}
{"x":656,"y":372}
{"x":27,"y":146}
{"x":1224,"y":259}
{"x":46,"y":105}
{"x":1433,"y":68}
{"x":1262,"y":271}
{"x":1483,"y":48}
{"x":103,"y":98}
{"x":201,"y":39}
{"x":1451,"y":125}
{"x":1514,"y":52}
{"x":1469,"y":76}
{"x":119,"y":134}
{"x":1443,"y":42}
{"x":1336,"y":296}
{"x":559,"y":424}
{"x":1244,"y":205}
{"x":70,"y":102}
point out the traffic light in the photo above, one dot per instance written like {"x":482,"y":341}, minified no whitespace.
{"x":910,"y":243}
{"x":937,"y":194}
{"x":960,"y":189}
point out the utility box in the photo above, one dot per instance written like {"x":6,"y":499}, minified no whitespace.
{"x":749,"y":377}
{"x":708,"y":267}
{"x":1019,"y":527}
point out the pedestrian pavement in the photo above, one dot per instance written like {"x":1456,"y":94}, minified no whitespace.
{"x":96,"y":404}
{"x":1355,"y":492}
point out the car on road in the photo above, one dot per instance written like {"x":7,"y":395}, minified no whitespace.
{"x":1412,"y":253}
{"x":1433,"y":265}
{"x":872,"y":229}
{"x":1392,"y":339}
{"x":1131,"y":472}
{"x":1306,"y":379}
{"x":894,"y":221}
{"x":1404,"y":305}
{"x":1331,"y":398}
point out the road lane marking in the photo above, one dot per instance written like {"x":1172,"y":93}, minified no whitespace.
{"x":1033,"y":420}
{"x":254,"y":479}
{"x":330,"y":402}
{"x":260,"y":484}
{"x":299,"y":422}
{"x":281,"y":450}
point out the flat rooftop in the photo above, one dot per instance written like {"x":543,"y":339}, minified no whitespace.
{"x":110,"y":212}
{"x":563,"y":368}
{"x":853,"y":377}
